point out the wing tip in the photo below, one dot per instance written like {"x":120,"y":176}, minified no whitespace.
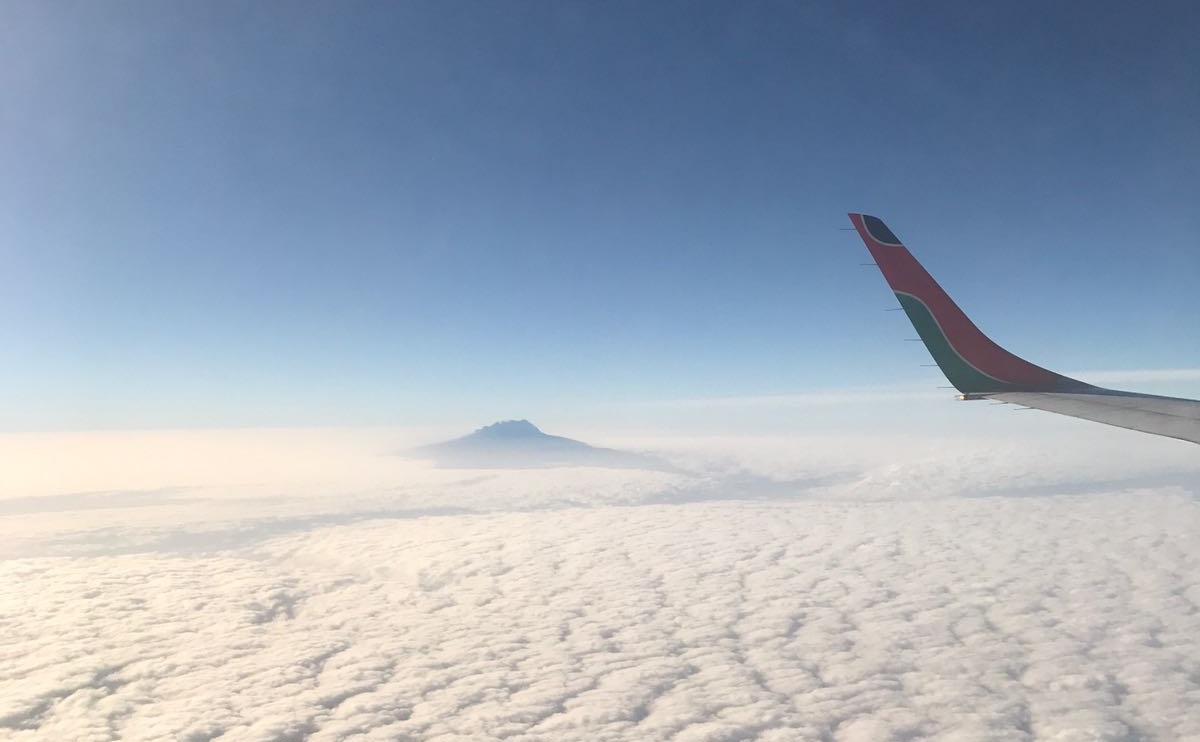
{"x":874,"y":227}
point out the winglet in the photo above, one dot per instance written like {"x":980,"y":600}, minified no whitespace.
{"x":970,"y":360}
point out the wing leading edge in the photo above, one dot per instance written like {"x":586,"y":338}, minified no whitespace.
{"x":981,"y":369}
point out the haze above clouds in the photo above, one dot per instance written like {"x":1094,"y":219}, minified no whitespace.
{"x":287,"y":585}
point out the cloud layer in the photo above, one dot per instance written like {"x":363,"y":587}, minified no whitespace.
{"x":773,"y":595}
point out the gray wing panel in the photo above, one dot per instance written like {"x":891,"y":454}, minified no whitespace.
{"x":1169,"y":416}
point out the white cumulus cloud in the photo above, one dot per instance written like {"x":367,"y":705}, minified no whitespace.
{"x":784,"y":589}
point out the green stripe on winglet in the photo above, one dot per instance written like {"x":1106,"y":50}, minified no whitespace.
{"x":965,"y":377}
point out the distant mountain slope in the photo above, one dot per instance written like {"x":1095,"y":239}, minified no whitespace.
{"x":519,"y":444}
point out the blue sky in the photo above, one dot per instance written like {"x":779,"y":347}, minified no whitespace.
{"x":342,"y":213}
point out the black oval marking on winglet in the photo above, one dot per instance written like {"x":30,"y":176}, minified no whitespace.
{"x":880,"y":231}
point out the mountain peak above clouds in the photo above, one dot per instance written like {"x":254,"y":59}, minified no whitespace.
{"x":510,"y":429}
{"x":519,"y":444}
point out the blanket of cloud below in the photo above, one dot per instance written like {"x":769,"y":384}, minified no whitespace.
{"x":308,"y":585}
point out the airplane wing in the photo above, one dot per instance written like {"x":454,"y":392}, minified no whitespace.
{"x":981,"y":369}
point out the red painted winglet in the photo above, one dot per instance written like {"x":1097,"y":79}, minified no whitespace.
{"x":906,"y":276}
